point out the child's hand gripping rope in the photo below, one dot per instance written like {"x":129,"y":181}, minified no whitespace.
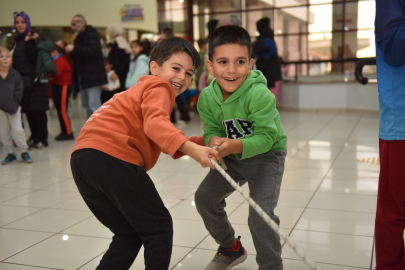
{"x":264,"y":215}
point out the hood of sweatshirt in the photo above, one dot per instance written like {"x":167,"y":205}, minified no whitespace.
{"x":10,"y":76}
{"x":255,"y":77}
{"x":46,"y":45}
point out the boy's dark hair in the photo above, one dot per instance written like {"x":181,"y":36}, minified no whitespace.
{"x":229,"y":34}
{"x":167,"y":47}
{"x":201,"y":42}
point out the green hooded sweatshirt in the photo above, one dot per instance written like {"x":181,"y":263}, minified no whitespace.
{"x":249,"y":115}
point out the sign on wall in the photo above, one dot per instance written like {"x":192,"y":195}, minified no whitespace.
{"x":130,"y":13}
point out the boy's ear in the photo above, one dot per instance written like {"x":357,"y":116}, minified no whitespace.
{"x":153,"y":67}
{"x":210,"y":67}
{"x":250,"y":65}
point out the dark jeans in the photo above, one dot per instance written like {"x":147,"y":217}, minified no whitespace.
{"x":60,"y":97}
{"x":182,"y":109}
{"x":123,"y":198}
{"x":38,"y":122}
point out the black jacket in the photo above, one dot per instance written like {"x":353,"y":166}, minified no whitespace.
{"x":268,"y":64}
{"x":120,"y":60}
{"x":88,"y":60}
{"x":11,"y":90}
{"x":24,"y":59}
{"x":35,"y":94}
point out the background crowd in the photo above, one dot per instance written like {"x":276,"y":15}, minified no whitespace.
{"x":57,"y":70}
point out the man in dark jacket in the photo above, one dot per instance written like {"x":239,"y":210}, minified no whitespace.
{"x":265,"y":50}
{"x":88,"y":73}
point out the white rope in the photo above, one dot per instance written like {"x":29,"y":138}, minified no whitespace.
{"x":273,"y":225}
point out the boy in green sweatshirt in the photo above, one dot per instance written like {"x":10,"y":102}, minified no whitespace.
{"x":239,"y":114}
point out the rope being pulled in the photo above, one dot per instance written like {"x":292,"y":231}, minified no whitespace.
{"x":273,"y":225}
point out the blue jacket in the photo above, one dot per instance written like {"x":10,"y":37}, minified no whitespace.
{"x":390,"y":54}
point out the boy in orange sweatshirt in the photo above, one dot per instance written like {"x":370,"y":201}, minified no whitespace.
{"x":121,"y":141}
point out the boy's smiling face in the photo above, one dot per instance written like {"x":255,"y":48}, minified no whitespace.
{"x":177,"y":70}
{"x":230,"y":65}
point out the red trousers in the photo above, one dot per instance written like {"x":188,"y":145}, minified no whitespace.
{"x":390,"y":218}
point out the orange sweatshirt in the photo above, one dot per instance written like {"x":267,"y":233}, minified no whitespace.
{"x":135,"y":126}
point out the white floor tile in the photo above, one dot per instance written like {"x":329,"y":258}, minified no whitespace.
{"x":14,"y":241}
{"x":89,"y":227}
{"x":188,"y":233}
{"x":49,"y":220}
{"x":331,"y":248}
{"x":56,"y":252}
{"x":11,"y":193}
{"x":41,"y":198}
{"x":10,"y":213}
{"x":75,"y":203}
{"x":344,"y":202}
{"x":361,"y":224}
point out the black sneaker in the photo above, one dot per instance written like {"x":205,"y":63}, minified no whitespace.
{"x":36,"y":145}
{"x":225,"y":259}
{"x":64,"y":137}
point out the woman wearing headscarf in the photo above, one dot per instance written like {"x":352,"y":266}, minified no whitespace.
{"x":119,"y":56}
{"x":34,"y":102}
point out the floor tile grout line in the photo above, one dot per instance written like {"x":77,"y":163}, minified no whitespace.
{"x":354,"y":127}
{"x":92,"y":259}
{"x":372,"y":252}
{"x":299,"y":149}
{"x":43,"y":208}
{"x":203,"y":238}
{"x":41,"y":267}
{"x":193,"y":248}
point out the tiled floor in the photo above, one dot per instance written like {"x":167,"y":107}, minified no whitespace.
{"x":327,"y":203}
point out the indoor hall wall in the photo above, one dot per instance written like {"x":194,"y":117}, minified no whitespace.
{"x":98,"y":13}
{"x":350,"y":95}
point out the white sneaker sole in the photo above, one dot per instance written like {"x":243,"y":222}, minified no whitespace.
{"x":241,"y":259}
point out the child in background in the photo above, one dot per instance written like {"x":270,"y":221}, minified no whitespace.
{"x":121,"y":141}
{"x":240,"y":115}
{"x":112,"y":85}
{"x":202,"y":44}
{"x":11,"y":89}
{"x":61,"y":90}
{"x":139,"y":65}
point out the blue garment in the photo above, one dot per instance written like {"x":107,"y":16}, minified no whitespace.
{"x":390,"y":41}
{"x":271,"y":48}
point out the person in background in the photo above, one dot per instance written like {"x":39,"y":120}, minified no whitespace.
{"x":112,"y":85}
{"x":88,"y":66}
{"x":11,"y":90}
{"x":265,"y":50}
{"x":390,"y":55}
{"x":139,"y":65}
{"x":202,"y":44}
{"x":33,"y":103}
{"x":167,"y":32}
{"x":119,"y":56}
{"x":61,"y":90}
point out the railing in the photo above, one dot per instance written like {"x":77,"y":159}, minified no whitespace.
{"x":359,"y":69}
{"x":363,"y":61}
